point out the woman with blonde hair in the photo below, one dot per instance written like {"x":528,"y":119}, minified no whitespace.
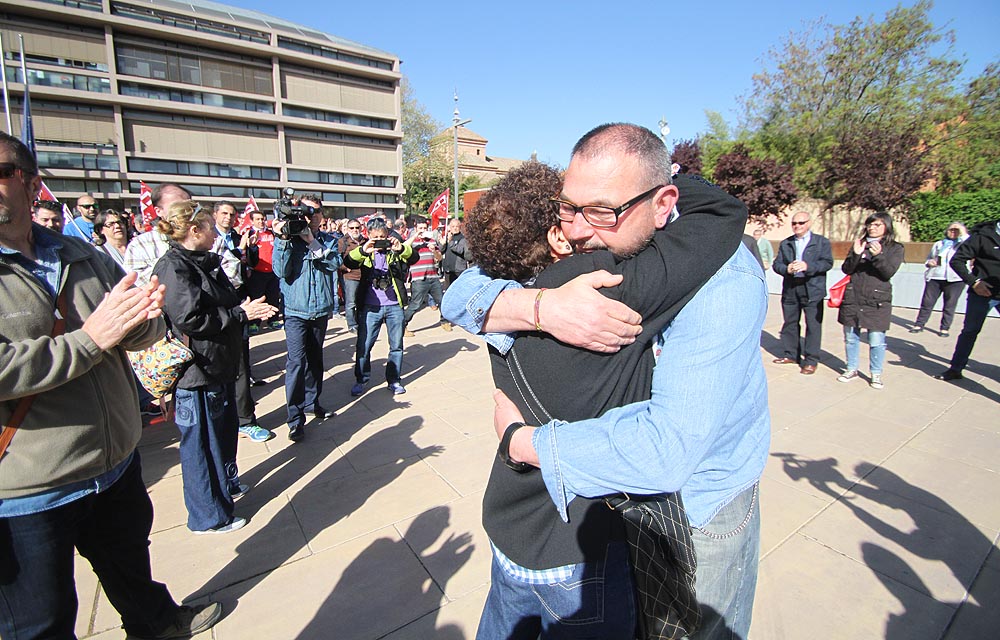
{"x":204,"y":310}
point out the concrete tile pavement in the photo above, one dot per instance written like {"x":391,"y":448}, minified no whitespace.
{"x":880,"y":509}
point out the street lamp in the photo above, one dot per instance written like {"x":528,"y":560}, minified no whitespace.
{"x":456,"y":123}
{"x":664,"y":129}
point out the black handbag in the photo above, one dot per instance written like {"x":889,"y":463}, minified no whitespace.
{"x":661,"y":551}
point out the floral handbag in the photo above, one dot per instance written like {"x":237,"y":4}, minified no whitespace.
{"x":159,"y":366}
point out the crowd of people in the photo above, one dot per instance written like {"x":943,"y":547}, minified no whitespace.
{"x":604,"y":331}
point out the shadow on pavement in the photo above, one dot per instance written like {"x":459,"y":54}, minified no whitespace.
{"x":953,"y":544}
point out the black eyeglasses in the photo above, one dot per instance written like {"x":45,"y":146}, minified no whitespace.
{"x":596,"y":215}
{"x":354,"y":227}
{"x":9,"y":169}
{"x":799,"y":224}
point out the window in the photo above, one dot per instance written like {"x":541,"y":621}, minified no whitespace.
{"x":339,"y":118}
{"x":221,"y":71}
{"x":214,"y":191}
{"x":84,"y":186}
{"x":330,"y":52}
{"x":185,"y":168}
{"x":329,"y":135}
{"x":301,"y":175}
{"x":61,"y":80}
{"x":69,"y":160}
{"x":195,"y":121}
{"x":194,"y":97}
{"x":159,"y":16}
{"x":333,"y":75}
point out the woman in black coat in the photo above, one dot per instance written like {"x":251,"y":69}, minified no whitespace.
{"x":201,"y":305}
{"x":874,"y":259}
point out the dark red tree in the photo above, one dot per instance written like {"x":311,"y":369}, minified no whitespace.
{"x":763,"y":185}
{"x":687,"y":153}
{"x":876,"y":168}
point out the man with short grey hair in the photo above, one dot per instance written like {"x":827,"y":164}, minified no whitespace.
{"x":802,"y":261}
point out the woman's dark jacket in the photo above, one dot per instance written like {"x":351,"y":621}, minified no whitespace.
{"x":201,"y":304}
{"x":868,"y":297}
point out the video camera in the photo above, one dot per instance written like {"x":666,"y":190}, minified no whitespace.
{"x":296,"y":216}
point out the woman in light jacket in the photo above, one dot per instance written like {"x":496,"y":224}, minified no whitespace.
{"x":201,"y":305}
{"x":942,"y":279}
{"x":872,"y":262}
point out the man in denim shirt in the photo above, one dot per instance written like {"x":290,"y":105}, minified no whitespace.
{"x":705,"y":431}
{"x":304,"y":264}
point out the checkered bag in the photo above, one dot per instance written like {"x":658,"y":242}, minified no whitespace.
{"x":160,"y":366}
{"x":663,"y":563}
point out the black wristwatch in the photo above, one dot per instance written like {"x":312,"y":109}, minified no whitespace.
{"x":504,"y":450}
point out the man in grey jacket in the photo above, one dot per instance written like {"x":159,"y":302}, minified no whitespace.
{"x":70,"y":477}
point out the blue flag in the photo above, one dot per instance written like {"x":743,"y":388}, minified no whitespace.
{"x":27,"y":127}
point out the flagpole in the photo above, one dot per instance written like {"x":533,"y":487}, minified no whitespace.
{"x":6,"y":94}
{"x":27,"y":128}
{"x":456,"y":123}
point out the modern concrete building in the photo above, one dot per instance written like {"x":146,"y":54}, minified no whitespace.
{"x":222,"y":100}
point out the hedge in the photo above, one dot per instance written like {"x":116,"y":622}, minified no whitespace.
{"x":931,"y":213}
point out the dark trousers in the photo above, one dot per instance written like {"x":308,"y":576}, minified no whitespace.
{"x":304,"y":367}
{"x":244,"y":401}
{"x":795,"y":304}
{"x":932,"y":291}
{"x":420,"y":291}
{"x":350,"y":309}
{"x":265,"y":283}
{"x":111,"y":530}
{"x":976,"y":308}
{"x":206,"y":417}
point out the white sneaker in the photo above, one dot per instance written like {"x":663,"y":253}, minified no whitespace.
{"x":876,"y":382}
{"x":848,"y":376}
{"x":234,"y":524}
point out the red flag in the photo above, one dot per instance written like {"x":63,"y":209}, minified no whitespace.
{"x":439,"y":208}
{"x":246,"y":221}
{"x":146,"y":206}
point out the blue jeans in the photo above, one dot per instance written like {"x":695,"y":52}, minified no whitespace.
{"x":727,"y":550}
{"x":209,"y":426}
{"x":303,"y":366}
{"x":350,"y":291}
{"x":370,"y":320}
{"x":976,"y":309}
{"x":111,"y":530}
{"x":597,"y":601}
{"x":876,"y":349}
{"x":423,"y":292}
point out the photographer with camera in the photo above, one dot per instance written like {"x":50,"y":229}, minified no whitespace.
{"x":380,"y":298}
{"x":425,"y":283}
{"x":304,"y":260}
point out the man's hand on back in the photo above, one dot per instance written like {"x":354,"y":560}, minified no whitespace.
{"x":577,"y":314}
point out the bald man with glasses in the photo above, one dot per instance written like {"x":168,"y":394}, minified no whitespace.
{"x":802,"y":261}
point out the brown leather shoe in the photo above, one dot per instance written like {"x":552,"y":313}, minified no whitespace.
{"x":808,"y":370}
{"x":784,"y":361}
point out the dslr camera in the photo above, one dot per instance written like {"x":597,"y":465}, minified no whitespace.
{"x":295,"y":214}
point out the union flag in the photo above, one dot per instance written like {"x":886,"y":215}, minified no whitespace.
{"x":439,"y":208}
{"x":146,"y":206}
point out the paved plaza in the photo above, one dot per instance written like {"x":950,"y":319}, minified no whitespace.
{"x":880,"y":509}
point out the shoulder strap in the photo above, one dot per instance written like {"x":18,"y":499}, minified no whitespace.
{"x":534,"y":404}
{"x":21,"y":410}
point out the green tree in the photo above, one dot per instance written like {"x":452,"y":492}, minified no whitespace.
{"x":418,"y":126}
{"x":832,"y":82}
{"x":715,"y":142}
{"x":968,"y":156}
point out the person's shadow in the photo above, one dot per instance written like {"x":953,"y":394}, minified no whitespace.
{"x":376,"y":590}
{"x":954,"y":546}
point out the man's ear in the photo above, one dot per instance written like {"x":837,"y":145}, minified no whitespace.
{"x":559,"y":246}
{"x":664,"y":203}
{"x":34,"y":187}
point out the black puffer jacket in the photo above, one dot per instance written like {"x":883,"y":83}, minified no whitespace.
{"x":868,"y":297}
{"x":202,"y":304}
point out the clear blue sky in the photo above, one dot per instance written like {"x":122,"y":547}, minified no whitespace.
{"x":535,"y":76}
